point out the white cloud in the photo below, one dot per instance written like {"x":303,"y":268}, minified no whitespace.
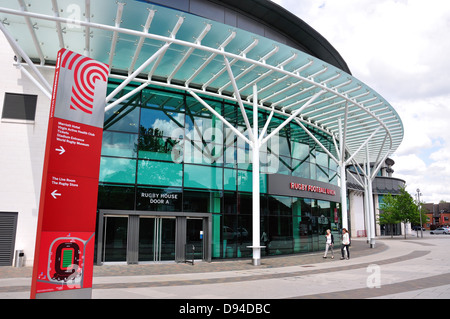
{"x":399,"y":48}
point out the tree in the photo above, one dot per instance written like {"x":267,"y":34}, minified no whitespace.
{"x":387,"y":212}
{"x":399,"y":208}
{"x":406,"y":209}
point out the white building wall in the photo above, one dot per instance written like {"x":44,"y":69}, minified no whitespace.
{"x":22,"y":148}
{"x":357,"y":227}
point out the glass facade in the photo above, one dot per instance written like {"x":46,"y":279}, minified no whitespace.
{"x":164,"y":152}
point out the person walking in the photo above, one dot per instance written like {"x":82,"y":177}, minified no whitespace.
{"x":329,"y":244}
{"x":345,"y":243}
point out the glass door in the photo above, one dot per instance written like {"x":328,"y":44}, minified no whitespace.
{"x":115,"y":238}
{"x":156,"y":239}
{"x":194,"y":239}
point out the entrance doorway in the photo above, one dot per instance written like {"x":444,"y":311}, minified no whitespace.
{"x":138,"y":236}
{"x":156,"y":239}
{"x":115,"y":233}
{"x":194,"y":238}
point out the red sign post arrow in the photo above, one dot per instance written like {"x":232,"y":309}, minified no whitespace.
{"x":55,"y":194}
{"x":61,"y":150}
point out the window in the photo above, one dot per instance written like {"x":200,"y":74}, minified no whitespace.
{"x":159,"y":173}
{"x":197,"y":176}
{"x":119,"y":144}
{"x":19,"y":107}
{"x":116,"y":196}
{"x":117,"y":170}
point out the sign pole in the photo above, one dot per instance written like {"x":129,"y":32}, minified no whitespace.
{"x":64,"y":254}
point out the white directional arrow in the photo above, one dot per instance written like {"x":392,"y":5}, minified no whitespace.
{"x":54,"y":194}
{"x":61,"y":150}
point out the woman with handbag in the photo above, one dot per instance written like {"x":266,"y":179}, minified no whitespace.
{"x":345,"y":244}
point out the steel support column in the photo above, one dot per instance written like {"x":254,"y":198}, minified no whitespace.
{"x":343,"y":181}
{"x":343,"y":196}
{"x":369,"y":192}
{"x":256,"y":220}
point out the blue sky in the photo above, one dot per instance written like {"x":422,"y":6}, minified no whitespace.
{"x":401,"y":49}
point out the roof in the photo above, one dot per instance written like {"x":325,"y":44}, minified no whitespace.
{"x":291,"y":26}
{"x":156,"y":45}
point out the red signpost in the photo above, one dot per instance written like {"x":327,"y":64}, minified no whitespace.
{"x":64,"y":254}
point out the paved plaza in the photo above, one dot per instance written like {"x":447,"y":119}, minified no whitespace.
{"x":394,"y":268}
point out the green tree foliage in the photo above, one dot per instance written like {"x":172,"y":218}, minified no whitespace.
{"x":399,"y":208}
{"x":387,"y":212}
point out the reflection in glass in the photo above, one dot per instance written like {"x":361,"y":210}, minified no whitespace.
{"x":119,"y":144}
{"x":159,"y":173}
{"x":158,"y":147}
{"x":123,"y":117}
{"x":161,"y":122}
{"x":117,"y":170}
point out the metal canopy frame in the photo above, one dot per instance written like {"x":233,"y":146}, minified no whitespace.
{"x":153,"y":45}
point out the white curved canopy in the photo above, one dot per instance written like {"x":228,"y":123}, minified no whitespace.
{"x":156,"y":45}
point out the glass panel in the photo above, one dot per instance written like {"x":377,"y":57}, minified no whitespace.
{"x":315,"y":214}
{"x":296,"y":224}
{"x":322,"y":174}
{"x":200,"y":152}
{"x":230,"y":153}
{"x":334,"y":178}
{"x":228,"y":236}
{"x":117,"y":170}
{"x":198,"y":176}
{"x":312,"y":166}
{"x":116,"y":232}
{"x":159,"y":173}
{"x":230,"y":203}
{"x":300,"y":151}
{"x":280,"y":235}
{"x":280,"y":205}
{"x":119,"y":144}
{"x":284,"y":165}
{"x":245,"y":203}
{"x":156,"y":239}
{"x":194,"y":239}
{"x":161,"y":122}
{"x":300,"y":168}
{"x":204,"y":128}
{"x":283,"y":144}
{"x":159,"y":99}
{"x":115,"y":197}
{"x":305,"y":226}
{"x":244,"y":153}
{"x":322,"y":159}
{"x":167,"y":239}
{"x":236,"y":236}
{"x":333,"y":172}
{"x":229,"y":176}
{"x":201,"y":201}
{"x":146,"y":239}
{"x":244,"y":236}
{"x":322,"y":167}
{"x":245,"y":182}
{"x":123,"y":117}
{"x":160,"y":148}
